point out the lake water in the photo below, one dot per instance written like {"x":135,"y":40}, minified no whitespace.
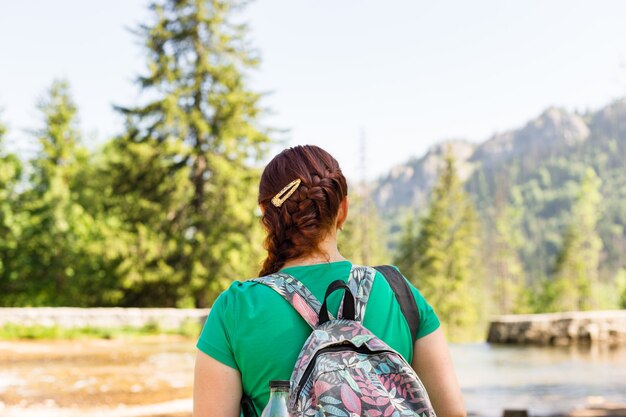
{"x":542,"y":380}
{"x":123,"y":377}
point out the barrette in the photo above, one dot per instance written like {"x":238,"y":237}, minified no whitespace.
{"x":286,"y":192}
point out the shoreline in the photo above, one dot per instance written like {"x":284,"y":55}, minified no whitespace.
{"x":68,"y":378}
{"x":605,"y":410}
{"x":182,"y":408}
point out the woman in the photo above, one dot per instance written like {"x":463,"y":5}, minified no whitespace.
{"x":253,"y":335}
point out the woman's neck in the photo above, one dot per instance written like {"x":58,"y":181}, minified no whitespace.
{"x":327,"y":252}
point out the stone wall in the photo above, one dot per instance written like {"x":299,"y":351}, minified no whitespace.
{"x":561,"y":329}
{"x":164,"y":318}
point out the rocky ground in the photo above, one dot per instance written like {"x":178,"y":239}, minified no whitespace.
{"x":140,"y":377}
{"x":118,"y":378}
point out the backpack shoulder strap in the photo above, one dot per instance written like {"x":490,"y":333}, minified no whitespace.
{"x":360,"y":282}
{"x":404,"y":295}
{"x":296,"y":294}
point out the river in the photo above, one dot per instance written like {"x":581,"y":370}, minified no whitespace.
{"x":128,"y":377}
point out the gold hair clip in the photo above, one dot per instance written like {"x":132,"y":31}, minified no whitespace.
{"x":286,"y":192}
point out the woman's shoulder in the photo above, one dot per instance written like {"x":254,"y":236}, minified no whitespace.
{"x":244,"y":294}
{"x":242,"y":288}
{"x":238,"y":286}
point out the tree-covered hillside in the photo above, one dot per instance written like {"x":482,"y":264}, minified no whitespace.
{"x":536,"y":172}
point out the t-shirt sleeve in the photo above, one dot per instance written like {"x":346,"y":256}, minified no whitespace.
{"x":214,"y":339}
{"x":429,"y":322}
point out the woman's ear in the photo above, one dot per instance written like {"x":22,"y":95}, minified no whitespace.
{"x":342,"y":215}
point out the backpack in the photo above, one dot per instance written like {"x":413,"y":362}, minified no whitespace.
{"x":343,"y":369}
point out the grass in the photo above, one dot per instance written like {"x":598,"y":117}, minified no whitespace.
{"x":190,"y":328}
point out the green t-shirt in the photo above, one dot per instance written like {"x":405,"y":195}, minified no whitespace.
{"x":253,"y":329}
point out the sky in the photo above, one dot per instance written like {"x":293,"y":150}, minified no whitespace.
{"x":401,"y":74}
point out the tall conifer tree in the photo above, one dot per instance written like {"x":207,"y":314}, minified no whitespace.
{"x":57,"y":228}
{"x":10,"y":173}
{"x":406,"y":256}
{"x":446,"y":267}
{"x":363,"y":239}
{"x":576,"y":268}
{"x":505,"y":267}
{"x":203,"y":121}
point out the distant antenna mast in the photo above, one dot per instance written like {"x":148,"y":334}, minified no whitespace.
{"x":364,"y":216}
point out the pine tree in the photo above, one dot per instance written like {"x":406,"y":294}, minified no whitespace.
{"x":406,"y":257}
{"x":10,"y":174}
{"x":56,"y":228}
{"x":576,"y":267}
{"x":363,"y":239}
{"x":446,"y":268}
{"x":505,"y":267}
{"x":203,"y":124}
{"x":141,"y":209}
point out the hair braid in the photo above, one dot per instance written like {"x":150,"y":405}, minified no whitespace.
{"x":298,"y":226}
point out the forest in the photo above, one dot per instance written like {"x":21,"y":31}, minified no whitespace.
{"x":165,"y":214}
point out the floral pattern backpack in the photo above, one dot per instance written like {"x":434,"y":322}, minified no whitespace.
{"x":343,"y":369}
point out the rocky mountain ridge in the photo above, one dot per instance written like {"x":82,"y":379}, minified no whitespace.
{"x":551,"y":133}
{"x":538,"y":169}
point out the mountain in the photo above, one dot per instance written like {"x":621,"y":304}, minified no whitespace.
{"x":409,"y":184}
{"x":537,"y":167}
{"x":548,"y":134}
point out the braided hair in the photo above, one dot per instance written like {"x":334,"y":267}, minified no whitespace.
{"x":297,"y":227}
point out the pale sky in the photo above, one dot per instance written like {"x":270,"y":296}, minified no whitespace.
{"x":407,"y":73}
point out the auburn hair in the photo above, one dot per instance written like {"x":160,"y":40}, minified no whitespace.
{"x":297,"y":227}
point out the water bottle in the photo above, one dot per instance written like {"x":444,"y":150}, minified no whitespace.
{"x":277,"y":405}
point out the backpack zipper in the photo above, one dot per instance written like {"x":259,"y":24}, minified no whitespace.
{"x":337,"y":348}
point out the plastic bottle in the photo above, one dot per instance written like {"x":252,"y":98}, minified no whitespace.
{"x":277,"y":405}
